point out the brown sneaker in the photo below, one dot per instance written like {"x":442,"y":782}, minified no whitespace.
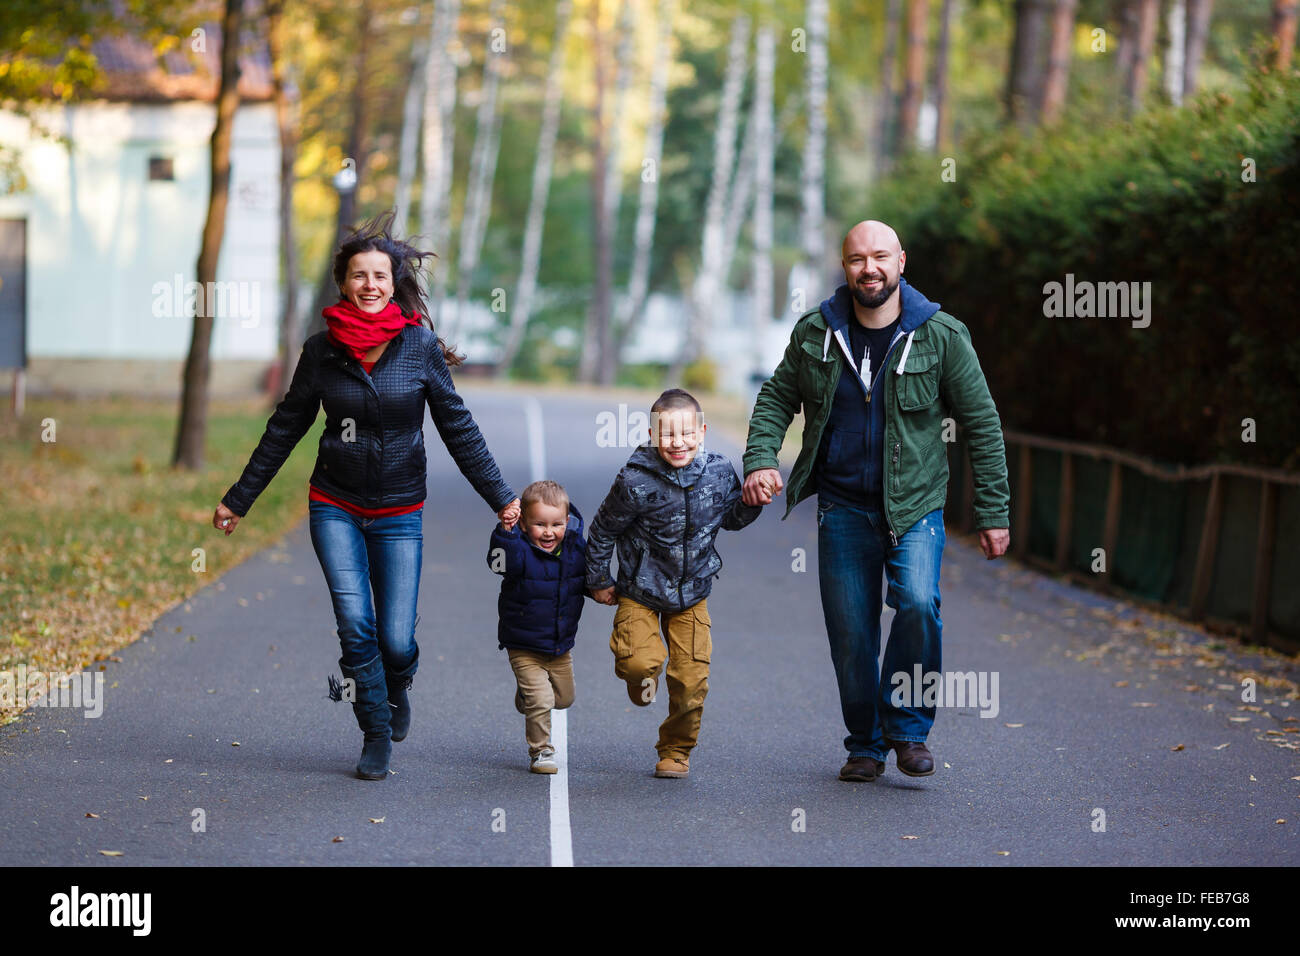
{"x":861,"y":770}
{"x":673,"y":767}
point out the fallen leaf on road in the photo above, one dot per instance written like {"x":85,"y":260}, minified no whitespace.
{"x":1179,"y":747}
{"x":947,"y":765}
{"x":111,"y":852}
{"x":94,"y":816}
{"x":377,"y":819}
{"x":1239,"y":720}
{"x":1121,"y":683}
{"x":337,"y":840}
{"x":1004,"y":852}
{"x":1143,"y":703}
{"x":1252,"y":777}
{"x":1221,"y":746}
{"x":1281,"y":821}
{"x":168,"y":760}
{"x":234,"y":743}
{"x":144,"y":798}
{"x":911,"y":838}
{"x":1013,"y":725}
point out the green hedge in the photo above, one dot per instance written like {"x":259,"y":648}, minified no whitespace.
{"x":1161,"y":200}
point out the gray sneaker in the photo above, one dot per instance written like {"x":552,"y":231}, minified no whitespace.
{"x":544,"y":762}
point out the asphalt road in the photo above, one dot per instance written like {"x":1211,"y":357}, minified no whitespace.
{"x":221,"y":708}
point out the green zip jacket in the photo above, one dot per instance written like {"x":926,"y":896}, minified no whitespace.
{"x":940,"y":377}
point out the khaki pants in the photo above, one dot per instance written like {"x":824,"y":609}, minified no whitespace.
{"x":639,"y":655}
{"x":545,"y":682}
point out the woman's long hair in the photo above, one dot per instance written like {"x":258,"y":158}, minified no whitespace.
{"x":408,"y":261}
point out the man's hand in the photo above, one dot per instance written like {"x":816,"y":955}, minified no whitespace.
{"x":224,"y":519}
{"x":509,"y":515}
{"x":994,"y":542}
{"x":760,"y":485}
{"x":604,"y":596}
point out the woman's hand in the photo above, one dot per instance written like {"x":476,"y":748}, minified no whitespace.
{"x":509,"y":515}
{"x":604,"y":596}
{"x":224,"y":519}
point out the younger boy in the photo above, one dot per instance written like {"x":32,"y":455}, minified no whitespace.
{"x":664,"y":513}
{"x":542,"y":590}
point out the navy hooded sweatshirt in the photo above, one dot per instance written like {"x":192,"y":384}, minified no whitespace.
{"x":851,"y":457}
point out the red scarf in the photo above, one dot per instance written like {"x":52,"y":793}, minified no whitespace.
{"x":359,"y":331}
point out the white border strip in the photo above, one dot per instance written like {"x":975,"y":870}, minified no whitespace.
{"x":561,"y":831}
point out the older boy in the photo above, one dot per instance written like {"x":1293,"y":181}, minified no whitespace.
{"x":664,"y":512}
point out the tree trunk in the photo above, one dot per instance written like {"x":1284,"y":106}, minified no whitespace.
{"x":602,"y":287}
{"x":1284,"y":28}
{"x":909,"y":110}
{"x":482,"y":170}
{"x":939,"y":78}
{"x":1198,"y":30}
{"x":808,"y":273}
{"x":648,"y":199}
{"x":764,"y":155}
{"x":437,"y":144}
{"x":594,"y":365}
{"x":357,"y":149}
{"x":527,"y":290}
{"x":1176,"y":30}
{"x":709,"y":283}
{"x":191,"y":434}
{"x":1148,"y":15}
{"x":290,"y":334}
{"x":885,"y":140}
{"x":1025,"y":75}
{"x":412,"y":105}
{"x":1058,"y":61}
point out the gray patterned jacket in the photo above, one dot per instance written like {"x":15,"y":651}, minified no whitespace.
{"x":664,"y":521}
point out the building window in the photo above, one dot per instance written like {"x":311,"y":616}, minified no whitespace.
{"x":160,"y":167}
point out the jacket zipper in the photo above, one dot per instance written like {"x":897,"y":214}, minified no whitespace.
{"x":686,"y":536}
{"x":893,"y":538}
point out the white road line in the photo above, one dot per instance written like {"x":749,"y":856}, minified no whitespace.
{"x":561,"y":831}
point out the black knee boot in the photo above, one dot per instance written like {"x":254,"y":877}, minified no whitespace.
{"x":399,"y":704}
{"x":373,"y":716}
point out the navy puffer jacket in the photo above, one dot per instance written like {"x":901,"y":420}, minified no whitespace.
{"x":541,"y":593}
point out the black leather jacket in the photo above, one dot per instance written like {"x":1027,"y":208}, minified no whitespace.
{"x":382,"y":464}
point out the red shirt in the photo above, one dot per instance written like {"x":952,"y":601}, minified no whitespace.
{"x":315,"y":494}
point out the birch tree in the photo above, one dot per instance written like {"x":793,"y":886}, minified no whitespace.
{"x":1176,"y":32}
{"x":593,"y":365}
{"x":884,"y":145}
{"x":1147,"y":17}
{"x":764,"y":156}
{"x":437,"y":142}
{"x":708,"y":281}
{"x":939,"y":78}
{"x":412,"y":104}
{"x":482,"y":163}
{"x":290,"y":337}
{"x":192,"y":426}
{"x":521,"y":309}
{"x":807,"y":274}
{"x":909,"y":111}
{"x":647,"y":208}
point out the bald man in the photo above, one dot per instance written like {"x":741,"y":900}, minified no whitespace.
{"x":876,"y":369}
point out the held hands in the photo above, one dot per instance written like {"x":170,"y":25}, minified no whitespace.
{"x":604,"y":596}
{"x":994,"y":542}
{"x":761,"y":485}
{"x":224,"y":519}
{"x":509,"y":515}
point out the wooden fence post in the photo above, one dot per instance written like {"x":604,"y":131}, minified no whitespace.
{"x":1264,"y":561}
{"x":1209,"y":548}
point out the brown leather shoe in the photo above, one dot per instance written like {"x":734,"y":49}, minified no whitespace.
{"x":861,"y":770}
{"x":913,"y":758}
{"x":673,"y":767}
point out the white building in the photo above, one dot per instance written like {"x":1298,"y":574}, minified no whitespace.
{"x":99,"y":237}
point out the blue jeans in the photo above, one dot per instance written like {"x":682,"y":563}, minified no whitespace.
{"x":358,"y":554}
{"x":852,"y":549}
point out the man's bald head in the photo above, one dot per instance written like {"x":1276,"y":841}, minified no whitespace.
{"x":871,"y":234}
{"x":873,"y":261}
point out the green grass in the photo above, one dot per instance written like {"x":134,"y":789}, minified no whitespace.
{"x":100,"y":530}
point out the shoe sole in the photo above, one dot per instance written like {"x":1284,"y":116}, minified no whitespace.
{"x":544,"y":769}
{"x":672,"y":774}
{"x":856,"y":778}
{"x":910,"y":773}
{"x":367,"y":776}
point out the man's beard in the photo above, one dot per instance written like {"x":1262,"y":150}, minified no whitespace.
{"x":872,"y":300}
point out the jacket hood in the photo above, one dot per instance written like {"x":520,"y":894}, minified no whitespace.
{"x":647,"y":456}
{"x":916,"y":308}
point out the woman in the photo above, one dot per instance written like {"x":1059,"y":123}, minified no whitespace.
{"x":374,"y":369}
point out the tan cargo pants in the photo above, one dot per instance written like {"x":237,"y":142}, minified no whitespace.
{"x":545,"y":682}
{"x":639,"y":655}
